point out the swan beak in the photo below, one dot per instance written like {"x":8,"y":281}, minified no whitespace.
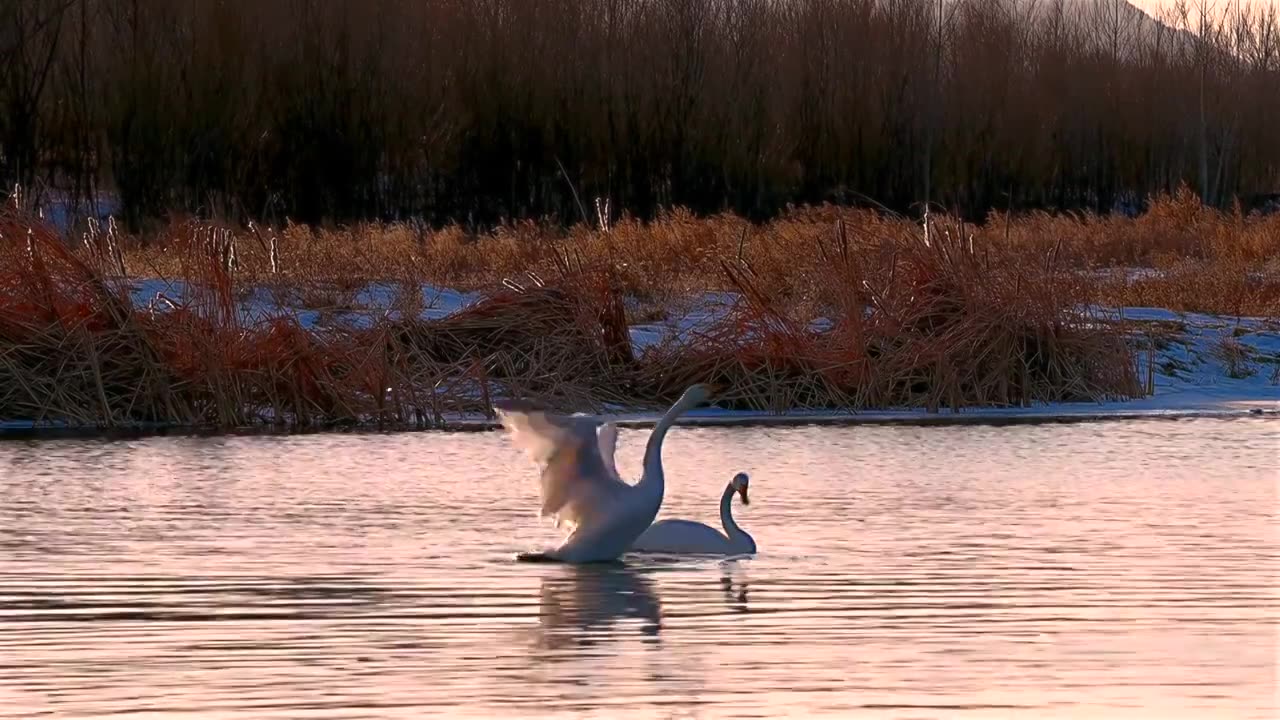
{"x":742,"y":492}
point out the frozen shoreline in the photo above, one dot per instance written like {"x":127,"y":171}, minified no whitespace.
{"x":711,"y":417}
{"x":1167,"y":404}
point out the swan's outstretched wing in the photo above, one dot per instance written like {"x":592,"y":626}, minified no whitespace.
{"x":608,"y":438}
{"x":576,"y":485}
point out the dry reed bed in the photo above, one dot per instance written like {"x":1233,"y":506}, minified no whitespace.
{"x":911,"y":323}
{"x":1206,"y":260}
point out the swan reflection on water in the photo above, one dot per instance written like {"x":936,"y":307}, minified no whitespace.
{"x":581,"y":604}
{"x":586,"y":605}
{"x":735,"y":592}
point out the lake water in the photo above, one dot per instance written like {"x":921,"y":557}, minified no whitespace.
{"x":1112,"y":570}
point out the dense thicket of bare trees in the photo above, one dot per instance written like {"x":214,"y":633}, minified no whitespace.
{"x":469,"y":109}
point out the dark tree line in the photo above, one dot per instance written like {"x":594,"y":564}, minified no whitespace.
{"x":477,"y":110}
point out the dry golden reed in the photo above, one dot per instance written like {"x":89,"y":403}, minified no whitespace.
{"x":1207,"y":260}
{"x":838,"y":310}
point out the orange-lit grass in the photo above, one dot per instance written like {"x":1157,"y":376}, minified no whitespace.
{"x":912,"y":324}
{"x":1198,"y":249}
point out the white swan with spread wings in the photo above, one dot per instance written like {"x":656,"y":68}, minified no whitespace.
{"x":581,"y":487}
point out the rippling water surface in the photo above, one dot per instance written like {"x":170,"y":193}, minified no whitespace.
{"x":1117,"y":570}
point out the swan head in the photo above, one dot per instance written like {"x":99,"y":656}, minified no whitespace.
{"x":696,"y":395}
{"x":740,"y":482}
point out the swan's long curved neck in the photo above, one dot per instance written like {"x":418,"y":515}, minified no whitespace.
{"x":652,"y":475}
{"x":726,"y":514}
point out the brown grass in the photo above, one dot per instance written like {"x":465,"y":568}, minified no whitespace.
{"x":1206,"y":260}
{"x":967,"y":317}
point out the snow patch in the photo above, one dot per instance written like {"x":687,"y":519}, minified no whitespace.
{"x":683,"y":325}
{"x":313,"y":308}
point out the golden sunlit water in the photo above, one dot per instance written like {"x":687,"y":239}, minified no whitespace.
{"x":1111,"y":570}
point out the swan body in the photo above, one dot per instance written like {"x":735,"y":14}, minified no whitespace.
{"x":581,"y":488}
{"x":689,"y":537}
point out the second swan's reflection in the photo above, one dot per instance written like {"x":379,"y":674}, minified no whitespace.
{"x":735,"y":593}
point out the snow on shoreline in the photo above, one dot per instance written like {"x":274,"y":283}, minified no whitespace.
{"x":1146,"y":409}
{"x":1210,"y":362}
{"x":1204,"y":364}
{"x":314,"y":310}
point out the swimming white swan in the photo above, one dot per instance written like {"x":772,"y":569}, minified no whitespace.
{"x":687,"y":536}
{"x":580,"y":484}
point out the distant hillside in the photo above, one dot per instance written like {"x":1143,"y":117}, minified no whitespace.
{"x":1111,"y":20}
